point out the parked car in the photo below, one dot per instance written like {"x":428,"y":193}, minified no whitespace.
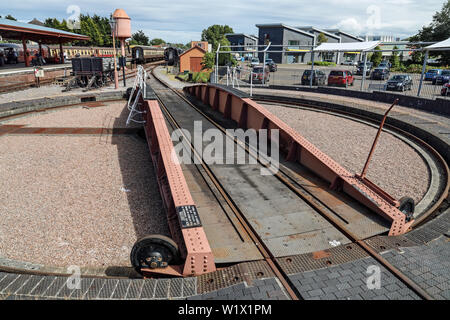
{"x":272,"y":65}
{"x":399,"y":82}
{"x":385,"y":64}
{"x":380,"y":73}
{"x":318,"y":77}
{"x":360,"y":69}
{"x":431,"y":74}
{"x":349,"y":63}
{"x":340,"y":78}
{"x":444,"y":77}
{"x":258,"y":74}
{"x":445,"y":91}
{"x":254,"y":62}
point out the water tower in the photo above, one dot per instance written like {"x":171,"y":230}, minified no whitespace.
{"x":123,"y":27}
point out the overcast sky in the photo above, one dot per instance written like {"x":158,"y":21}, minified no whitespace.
{"x":184,"y":20}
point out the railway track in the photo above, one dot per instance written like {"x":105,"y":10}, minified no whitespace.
{"x":440,"y":195}
{"x":291,"y":182}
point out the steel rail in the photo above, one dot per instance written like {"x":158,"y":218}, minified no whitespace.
{"x":443,"y":164}
{"x":307,"y":197}
{"x":260,"y":245}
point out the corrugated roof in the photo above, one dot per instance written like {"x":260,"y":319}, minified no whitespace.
{"x":12,"y":26}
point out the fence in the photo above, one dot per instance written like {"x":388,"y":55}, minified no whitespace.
{"x":298,"y":74}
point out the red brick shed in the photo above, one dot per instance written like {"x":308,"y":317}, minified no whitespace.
{"x":191,"y":59}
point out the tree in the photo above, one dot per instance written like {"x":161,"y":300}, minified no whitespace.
{"x":376,"y":56}
{"x":208,"y":61}
{"x":215,"y":34}
{"x":157,"y":42}
{"x":321,"y":39}
{"x":437,"y":30}
{"x":394,"y":59}
{"x":139,"y":38}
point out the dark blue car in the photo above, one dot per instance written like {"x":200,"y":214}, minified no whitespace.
{"x":433,"y":73}
{"x":444,"y":77}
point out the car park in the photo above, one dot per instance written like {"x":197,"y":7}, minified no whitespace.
{"x":318,"y":77}
{"x":360,"y":69}
{"x":445,"y":91}
{"x":431,"y":74}
{"x":340,"y":78}
{"x":399,"y":82}
{"x":271,"y":64}
{"x":380,"y":73}
{"x":444,"y":77}
{"x":258,"y":75}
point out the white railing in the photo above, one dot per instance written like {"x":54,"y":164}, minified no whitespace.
{"x":140,"y":87}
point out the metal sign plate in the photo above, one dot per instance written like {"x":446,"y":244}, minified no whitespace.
{"x":38,"y":72}
{"x":188,"y":217}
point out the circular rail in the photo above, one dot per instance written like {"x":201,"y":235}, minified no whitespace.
{"x":302,"y":193}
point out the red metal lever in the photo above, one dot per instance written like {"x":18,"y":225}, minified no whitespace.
{"x":364,"y":171}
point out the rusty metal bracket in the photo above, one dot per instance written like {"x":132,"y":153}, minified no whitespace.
{"x":182,"y":216}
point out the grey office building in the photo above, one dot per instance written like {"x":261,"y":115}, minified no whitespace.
{"x":298,"y":43}
{"x":331,"y":38}
{"x":247,"y":42}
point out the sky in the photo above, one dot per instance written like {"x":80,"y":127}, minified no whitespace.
{"x":180,"y":21}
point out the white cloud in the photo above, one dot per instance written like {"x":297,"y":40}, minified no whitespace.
{"x":349,"y":25}
{"x":182,"y":20}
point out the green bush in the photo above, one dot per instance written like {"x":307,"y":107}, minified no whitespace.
{"x":197,"y":77}
{"x":323,"y":63}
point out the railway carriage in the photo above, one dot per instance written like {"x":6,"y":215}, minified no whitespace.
{"x":145,"y":54}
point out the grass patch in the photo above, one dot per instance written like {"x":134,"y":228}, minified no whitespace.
{"x":323,"y":63}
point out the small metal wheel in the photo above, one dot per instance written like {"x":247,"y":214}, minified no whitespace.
{"x":407,"y":207}
{"x":153,"y":251}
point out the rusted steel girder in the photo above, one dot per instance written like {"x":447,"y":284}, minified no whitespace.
{"x":184,"y":223}
{"x":249,"y":114}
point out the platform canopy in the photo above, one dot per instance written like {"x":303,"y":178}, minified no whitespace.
{"x":439,"y":45}
{"x":15,"y":30}
{"x":347,"y":46}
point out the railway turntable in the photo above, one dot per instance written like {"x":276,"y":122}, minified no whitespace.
{"x":242,"y":214}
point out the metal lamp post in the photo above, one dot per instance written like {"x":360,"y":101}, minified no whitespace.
{"x":112,"y":23}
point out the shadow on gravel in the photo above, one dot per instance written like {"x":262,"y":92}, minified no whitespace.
{"x":139,"y":181}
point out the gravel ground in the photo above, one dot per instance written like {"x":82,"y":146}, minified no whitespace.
{"x":349,"y":100}
{"x":76,"y":200}
{"x":107,"y":115}
{"x":395,"y":166}
{"x":174,"y":83}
